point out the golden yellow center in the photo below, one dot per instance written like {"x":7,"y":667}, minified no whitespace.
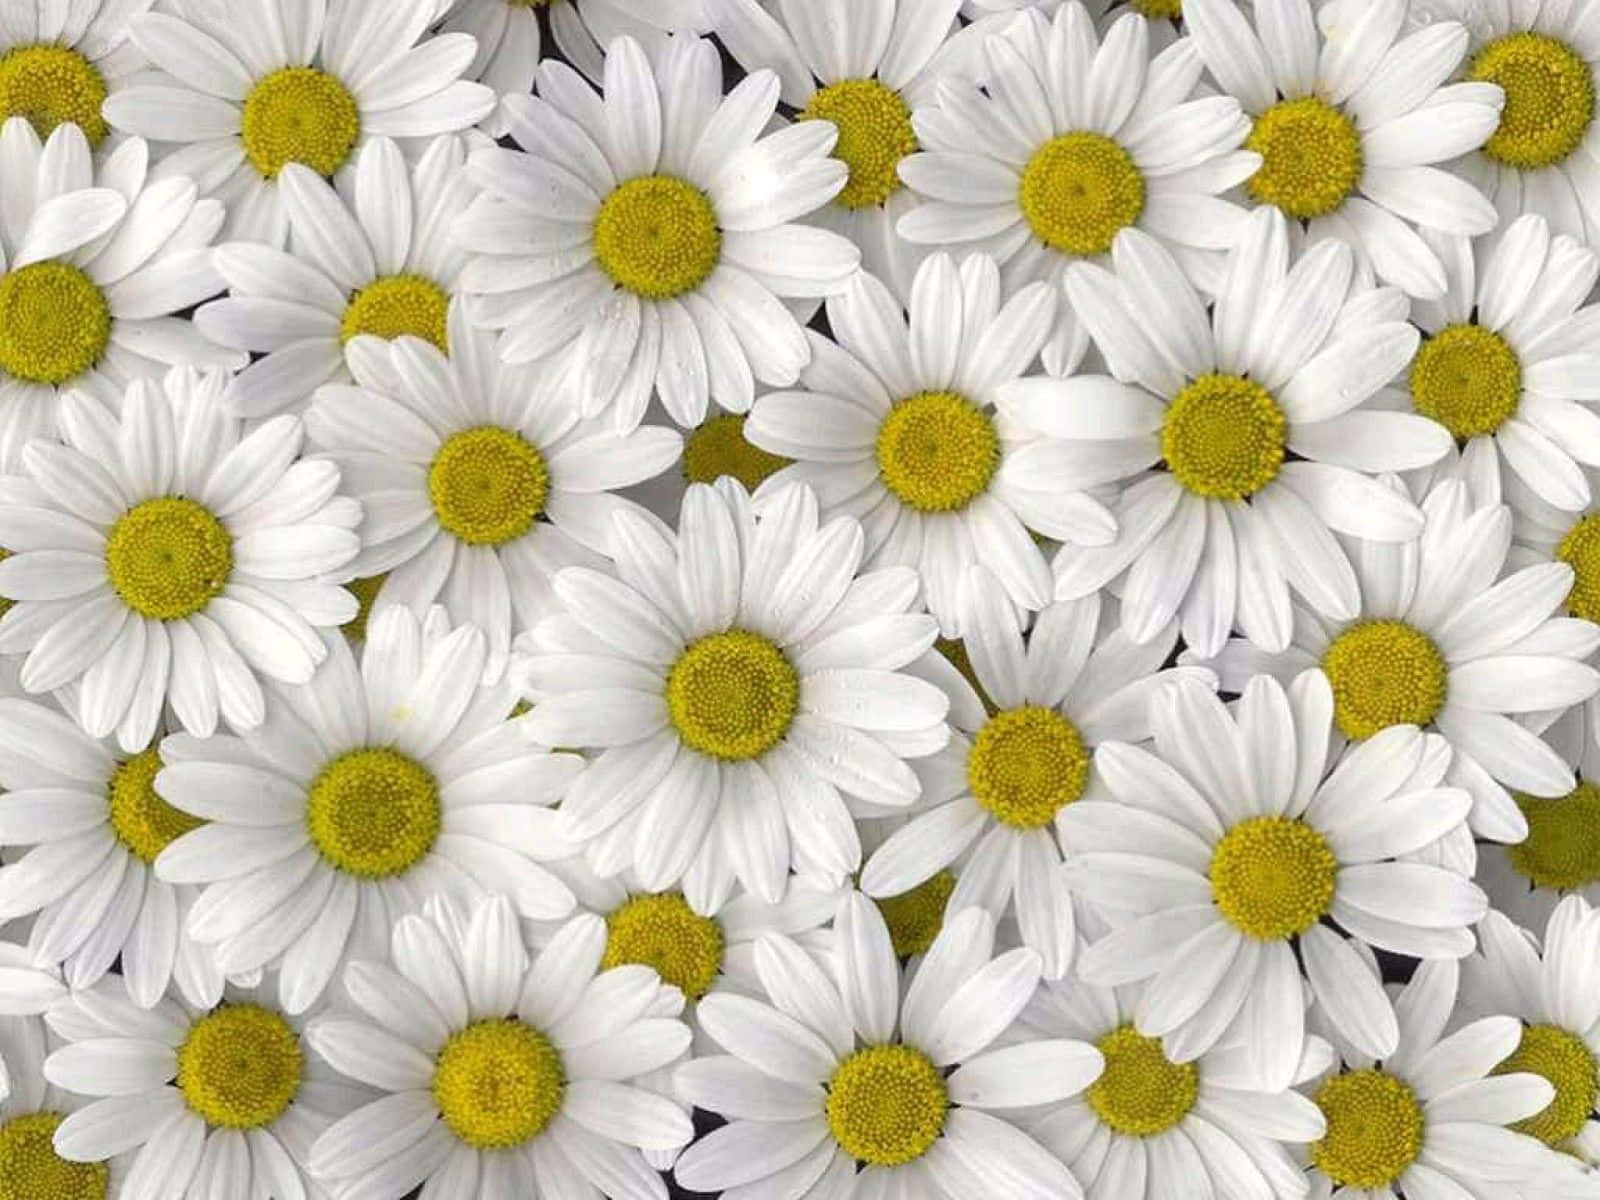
{"x":498,"y":1082}
{"x":718,"y":447}
{"x":1580,"y":550}
{"x":366,"y":593}
{"x":732,"y":695}
{"x":1549,"y":99}
{"x":1310,"y":157}
{"x":663,"y":933}
{"x":1026,"y":765}
{"x":1223,"y":437}
{"x":144,"y":822}
{"x":1078,"y":191}
{"x":1374,"y":1129}
{"x":874,"y":135}
{"x":168,"y":558}
{"x":886,"y":1105}
{"x":300,"y":115}
{"x":1563,"y":1058}
{"x":1141,"y":1092}
{"x":1562,"y":849}
{"x":488,"y":485}
{"x":54,"y":323}
{"x":914,"y":918}
{"x":1468,"y":379}
{"x":1273,"y":877}
{"x":1159,"y":10}
{"x":239,"y":1066}
{"x":657,"y":237}
{"x":397,"y":306}
{"x":30,"y":1168}
{"x":1384,"y":673}
{"x":52,"y":85}
{"x":373,"y":813}
{"x":937,"y":451}
{"x":5,"y":601}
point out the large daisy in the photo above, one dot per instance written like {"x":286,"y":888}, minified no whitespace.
{"x":243,"y":90}
{"x":165,"y":556}
{"x":648,"y":239}
{"x":59,"y":62}
{"x":1255,"y":409}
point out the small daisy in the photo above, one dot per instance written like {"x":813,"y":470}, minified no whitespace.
{"x":165,"y":556}
{"x":648,"y":239}
{"x":735,"y":679}
{"x":378,"y":262}
{"x":1256,"y":410}
{"x":896,"y":426}
{"x":893,"y":1075}
{"x":507,"y":1074}
{"x":244,"y":90}
{"x":59,"y":62}
{"x":1008,"y":780}
{"x":477,"y":478}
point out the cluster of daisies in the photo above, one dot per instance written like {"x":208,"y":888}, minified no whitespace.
{"x":799,"y":599}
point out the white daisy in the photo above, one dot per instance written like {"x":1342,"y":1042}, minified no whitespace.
{"x":508,"y":1074}
{"x":95,"y":260}
{"x":58,"y":62}
{"x":378,"y":261}
{"x":894,"y":1075}
{"x":647,"y":239}
{"x":364,"y":792}
{"x":896,"y":426}
{"x":1281,"y":365}
{"x":244,"y":90}
{"x":735,"y":679}
{"x":477,"y":479}
{"x":164,"y":556}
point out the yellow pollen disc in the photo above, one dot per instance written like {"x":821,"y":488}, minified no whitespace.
{"x":1141,"y":1092}
{"x":529,"y":3}
{"x":239,"y":1067}
{"x":1026,"y":765}
{"x":1159,"y":10}
{"x":663,"y":933}
{"x":718,"y":447}
{"x":1562,"y":849}
{"x":5,"y":601}
{"x":914,"y":918}
{"x":366,"y":593}
{"x":1468,"y":379}
{"x":54,"y":323}
{"x":732,"y":695}
{"x":30,"y":1168}
{"x":1374,"y":1129}
{"x":657,"y":237}
{"x":144,"y":822}
{"x":168,"y":558}
{"x":1564,"y":1059}
{"x":874,"y":135}
{"x":1549,"y":99}
{"x":397,"y":305}
{"x":498,"y":1082}
{"x":50,"y":86}
{"x":1310,"y":157}
{"x":299,"y":115}
{"x":1223,"y":437}
{"x":1580,"y":550}
{"x":1078,"y":191}
{"x":937,"y":451}
{"x":488,"y":485}
{"x":373,"y":813}
{"x":886,"y":1105}
{"x":1272,"y":877}
{"x":1384,"y":673}
{"x":955,"y":650}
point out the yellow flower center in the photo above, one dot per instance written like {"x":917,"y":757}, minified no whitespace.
{"x":1273,"y":877}
{"x":886,"y":1105}
{"x":1078,"y":191}
{"x":1223,"y":437}
{"x":52,"y":85}
{"x":732,"y":695}
{"x":937,"y":451}
{"x":1580,"y":550}
{"x":397,"y":306}
{"x":663,"y":933}
{"x":373,"y":813}
{"x":300,"y":115}
{"x":1562,"y":849}
{"x":30,"y":1168}
{"x":168,"y":557}
{"x":718,"y":447}
{"x":1563,"y":1058}
{"x":657,"y":237}
{"x":1141,"y":1092}
{"x":239,"y":1066}
{"x":488,"y":485}
{"x":144,"y":822}
{"x":1310,"y":157}
{"x":1384,"y":673}
{"x":1549,"y":98}
{"x":498,"y":1082}
{"x":874,"y":135}
{"x":914,"y":918}
{"x":1374,"y":1129}
{"x":1026,"y":765}
{"x":54,"y":323}
{"x":5,"y":601}
{"x":1468,"y":379}
{"x":366,"y":593}
{"x":1159,"y":10}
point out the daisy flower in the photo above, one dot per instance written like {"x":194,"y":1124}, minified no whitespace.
{"x":59,"y":62}
{"x":649,"y":239}
{"x":164,"y":556}
{"x":242,"y":91}
{"x":1008,"y":780}
{"x":377,"y":262}
{"x":735,"y":679}
{"x":895,"y":425}
{"x":1255,"y":410}
{"x":508,"y":1074}
{"x":853,"y":1070}
{"x":477,"y":478}
{"x":95,"y":260}
{"x":378,"y":784}
{"x":1042,"y":174}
